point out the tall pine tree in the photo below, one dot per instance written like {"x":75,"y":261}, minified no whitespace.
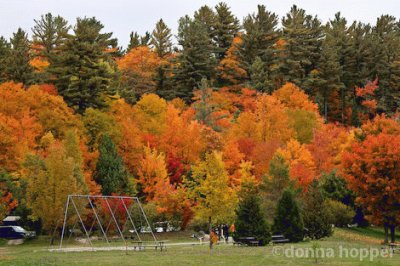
{"x":225,"y":28}
{"x":17,"y":67}
{"x":315,"y":213}
{"x":5,"y":49}
{"x":49,"y":33}
{"x":259,"y":40}
{"x":195,"y":61}
{"x":302,"y":37}
{"x":250,"y":220}
{"x":288,"y":220}
{"x":161,"y":41}
{"x":84,"y":69}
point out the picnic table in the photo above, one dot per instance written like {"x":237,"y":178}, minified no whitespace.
{"x":141,"y":245}
{"x":279,"y":239}
{"x":248,"y":241}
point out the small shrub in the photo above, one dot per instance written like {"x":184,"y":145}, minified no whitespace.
{"x":340,"y":214}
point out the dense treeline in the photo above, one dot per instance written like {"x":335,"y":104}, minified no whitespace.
{"x":327,"y":61}
{"x":283,"y":112}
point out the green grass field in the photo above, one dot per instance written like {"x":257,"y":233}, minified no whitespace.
{"x":36,"y":252}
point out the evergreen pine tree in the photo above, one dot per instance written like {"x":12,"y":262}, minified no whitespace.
{"x":83,"y":69}
{"x":226,"y":26}
{"x":386,"y":66}
{"x":134,"y":41}
{"x":316,"y":215}
{"x":258,"y":75}
{"x":335,"y":70}
{"x":5,"y":50}
{"x":161,"y":41}
{"x":49,"y":33}
{"x":250,"y":220}
{"x":195,"y":61}
{"x":326,"y":81}
{"x":259,"y":40}
{"x":145,"y":39}
{"x":288,"y":220}
{"x":17,"y":67}
{"x":357,"y":69}
{"x":110,"y":171}
{"x":206,"y":16}
{"x":302,"y":36}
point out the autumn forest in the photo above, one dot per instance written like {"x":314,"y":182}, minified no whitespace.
{"x":287,"y":118}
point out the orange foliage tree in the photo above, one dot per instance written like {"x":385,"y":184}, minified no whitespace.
{"x":229,"y":68}
{"x":371,"y":167}
{"x":301,"y":163}
{"x":138,"y":69}
{"x":327,"y":146}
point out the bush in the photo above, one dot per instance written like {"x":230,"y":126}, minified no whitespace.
{"x":250,"y":221}
{"x":334,"y":187}
{"x":340,"y":214}
{"x":288,"y":220}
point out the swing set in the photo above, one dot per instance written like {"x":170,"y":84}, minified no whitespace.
{"x":108,"y":223}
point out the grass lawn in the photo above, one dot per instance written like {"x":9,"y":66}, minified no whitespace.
{"x":35,"y":253}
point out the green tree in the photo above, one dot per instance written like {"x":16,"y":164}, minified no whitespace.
{"x":302,"y":35}
{"x":134,"y":41}
{"x":288,"y":220}
{"x":225,"y":28}
{"x":5,"y":50}
{"x":50,"y":33}
{"x":110,"y":171}
{"x":195,"y":61}
{"x":259,"y":40}
{"x":145,"y":39}
{"x":316,"y":214}
{"x":17,"y":64}
{"x":161,"y":41}
{"x":87,"y":83}
{"x":250,"y":220}
{"x":258,"y":75}
{"x":386,"y":66}
{"x":335,"y":187}
{"x":206,"y":16}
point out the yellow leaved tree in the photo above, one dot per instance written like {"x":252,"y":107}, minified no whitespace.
{"x":209,"y":188}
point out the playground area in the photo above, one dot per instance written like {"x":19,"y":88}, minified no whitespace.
{"x":182,"y":249}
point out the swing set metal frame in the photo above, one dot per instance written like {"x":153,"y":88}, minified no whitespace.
{"x":71,"y":202}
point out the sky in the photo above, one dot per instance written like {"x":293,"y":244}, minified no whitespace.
{"x":123,"y":16}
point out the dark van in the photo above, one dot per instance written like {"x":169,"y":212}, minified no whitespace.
{"x":15,"y":232}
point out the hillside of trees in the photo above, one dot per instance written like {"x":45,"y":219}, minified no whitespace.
{"x":302,"y":112}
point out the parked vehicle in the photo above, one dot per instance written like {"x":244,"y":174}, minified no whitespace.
{"x":15,"y":232}
{"x":164,"y":227}
{"x":11,"y":220}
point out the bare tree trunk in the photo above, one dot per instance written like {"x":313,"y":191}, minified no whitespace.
{"x":210,"y":232}
{"x":392,"y":234}
{"x":385,"y":226}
